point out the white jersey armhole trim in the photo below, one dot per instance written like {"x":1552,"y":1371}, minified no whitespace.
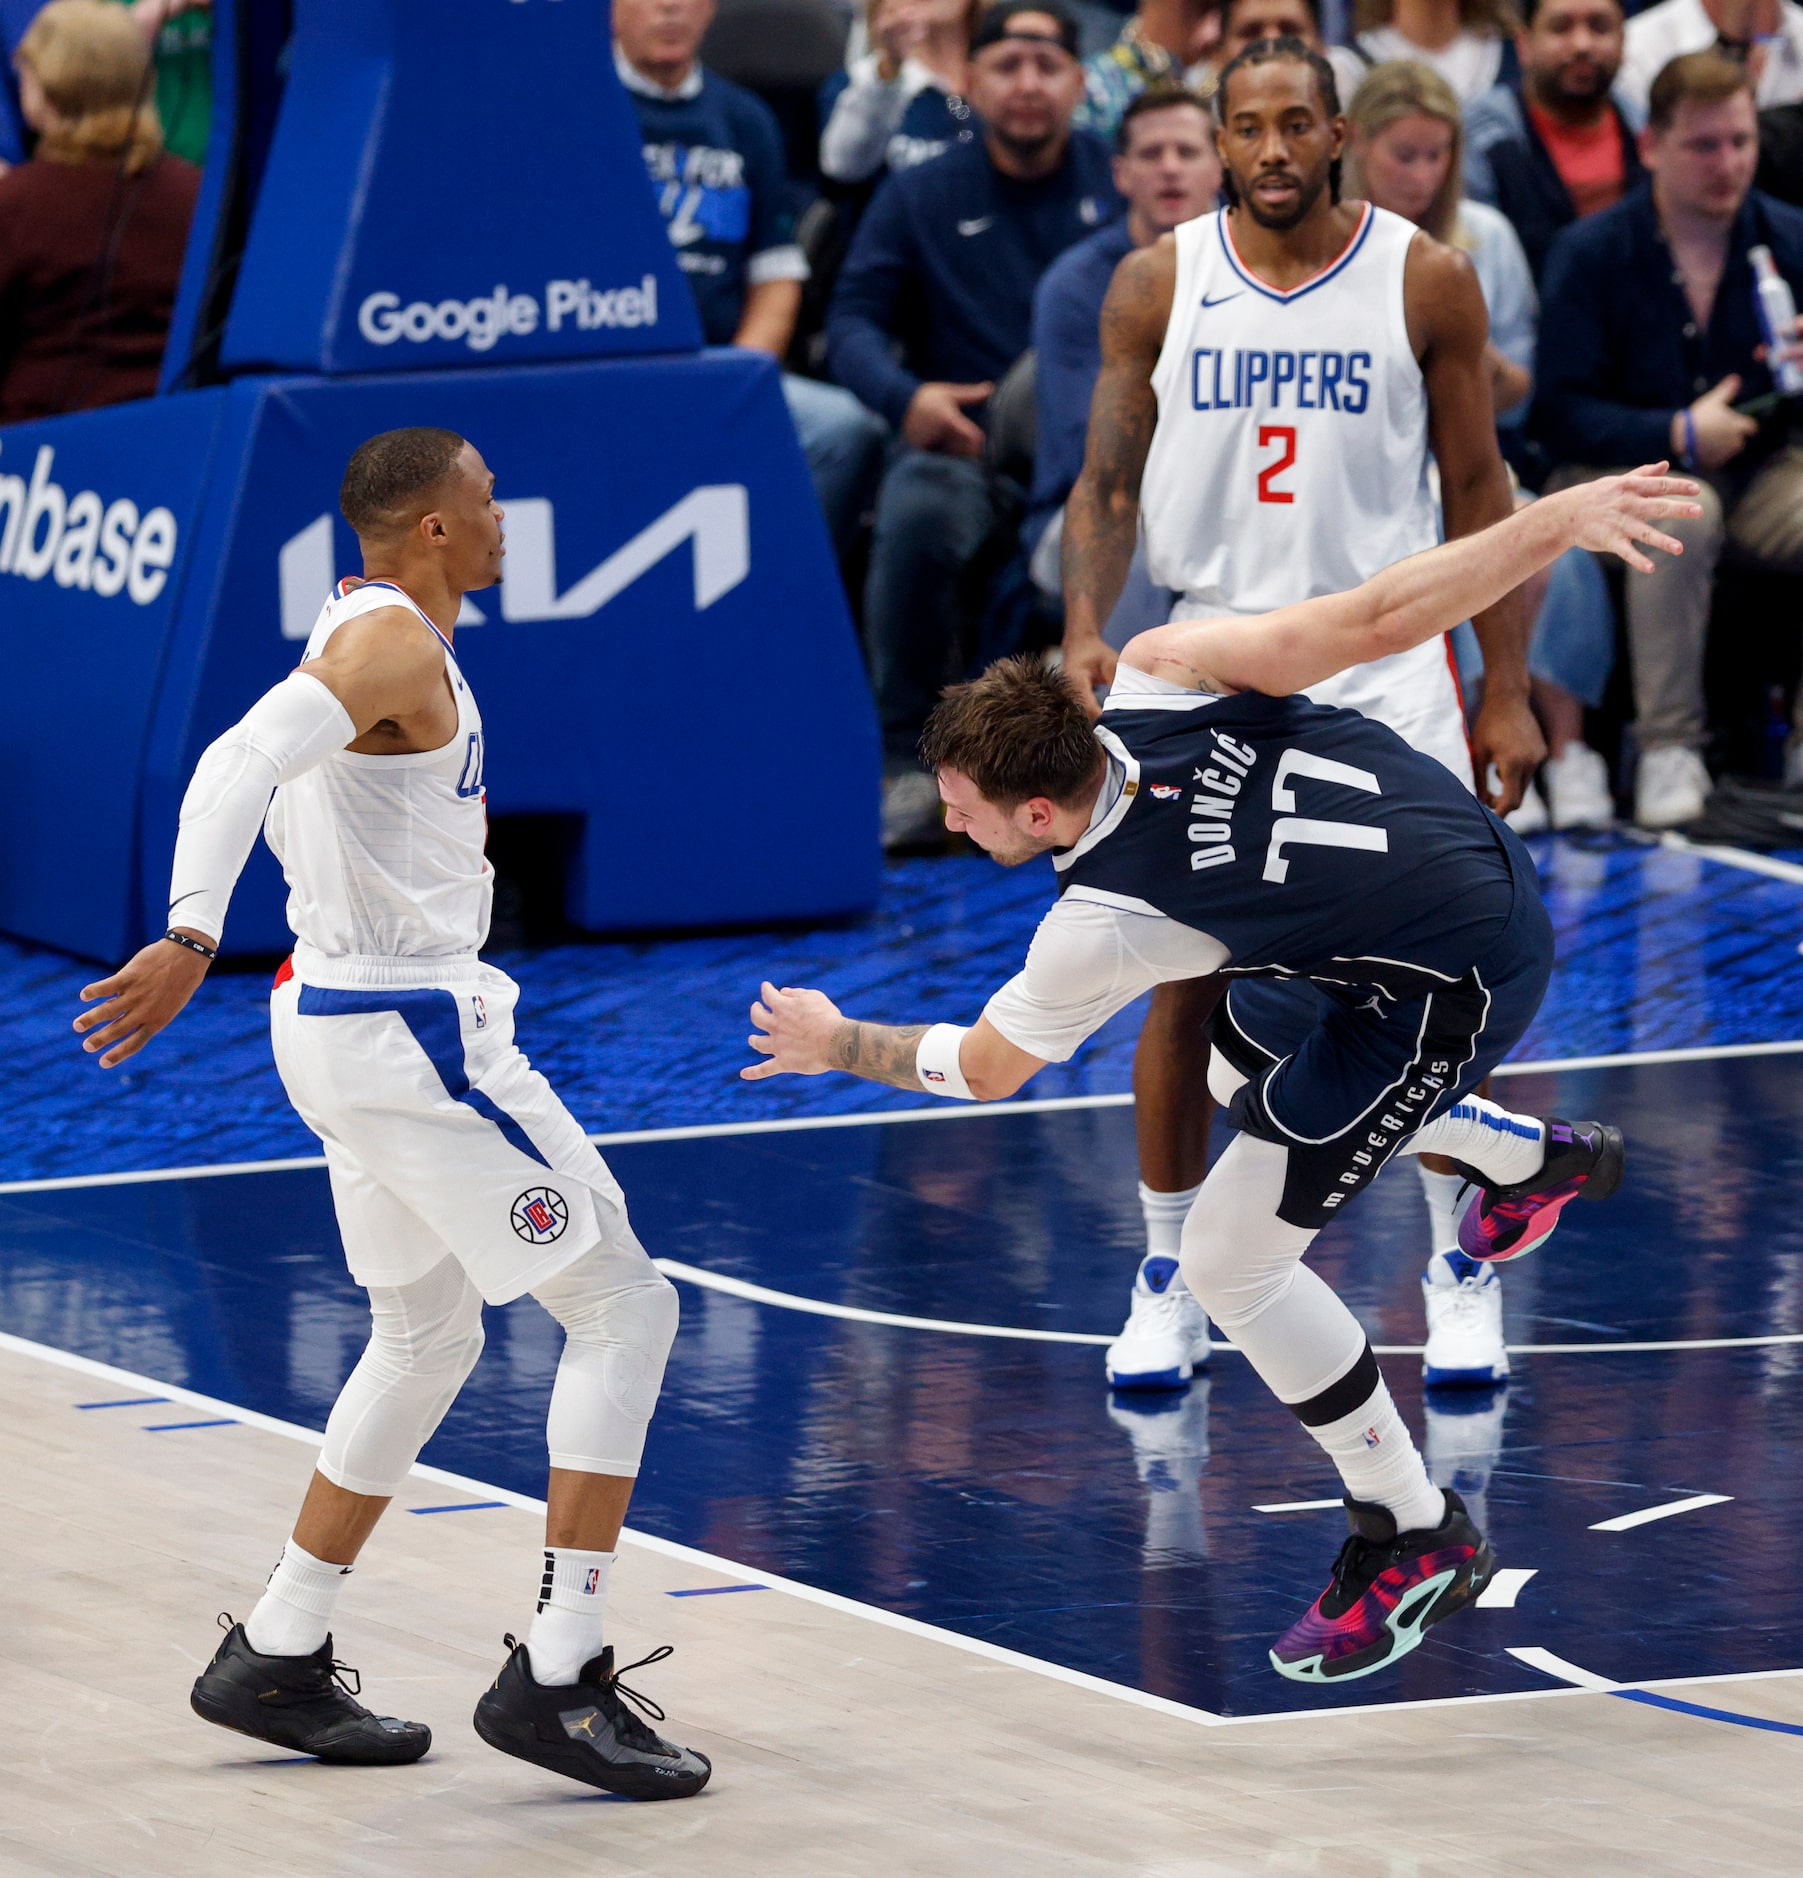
{"x":1189,"y":237}
{"x":1399,"y":309}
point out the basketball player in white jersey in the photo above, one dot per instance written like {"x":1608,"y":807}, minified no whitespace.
{"x":1274,"y":378}
{"x":458,"y":1177}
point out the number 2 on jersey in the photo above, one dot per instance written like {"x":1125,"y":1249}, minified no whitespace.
{"x":1284,"y":437}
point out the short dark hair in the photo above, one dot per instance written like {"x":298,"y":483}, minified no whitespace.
{"x":1163,"y":96}
{"x":1269,"y":52}
{"x":1530,"y":9}
{"x":391,"y":479}
{"x":1016,"y":732}
{"x":1694,"y":78}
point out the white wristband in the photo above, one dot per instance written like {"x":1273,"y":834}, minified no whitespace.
{"x":936,"y":1062}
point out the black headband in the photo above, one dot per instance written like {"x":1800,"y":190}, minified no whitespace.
{"x":997,"y":25}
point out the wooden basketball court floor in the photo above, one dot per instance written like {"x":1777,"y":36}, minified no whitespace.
{"x":940,"y":1604}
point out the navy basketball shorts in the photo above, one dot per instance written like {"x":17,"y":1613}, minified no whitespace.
{"x":1342,"y":1078}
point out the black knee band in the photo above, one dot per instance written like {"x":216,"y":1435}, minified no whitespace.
{"x":1360,"y":1383}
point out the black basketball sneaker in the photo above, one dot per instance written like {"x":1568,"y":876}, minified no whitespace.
{"x":306,"y":1703}
{"x":585,"y":1729}
{"x":1583,"y":1160}
{"x":1387,"y":1588}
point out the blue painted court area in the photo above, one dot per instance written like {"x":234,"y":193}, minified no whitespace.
{"x":1657,"y":950}
{"x":990,"y":1484}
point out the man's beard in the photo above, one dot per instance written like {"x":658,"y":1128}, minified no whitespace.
{"x":1024,"y":149}
{"x":1554,"y":88}
{"x":1310,"y":194}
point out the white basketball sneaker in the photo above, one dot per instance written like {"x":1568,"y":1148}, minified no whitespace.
{"x":1165,"y":1338}
{"x":1170,"y":1449}
{"x":1464,"y":1327}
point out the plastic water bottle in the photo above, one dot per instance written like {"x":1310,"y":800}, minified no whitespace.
{"x":1778,"y":316}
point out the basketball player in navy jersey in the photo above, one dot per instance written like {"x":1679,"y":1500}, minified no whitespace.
{"x":1215,"y":823}
{"x":1274,"y":377}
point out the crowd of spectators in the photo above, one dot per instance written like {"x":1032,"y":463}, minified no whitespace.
{"x":931,"y":280}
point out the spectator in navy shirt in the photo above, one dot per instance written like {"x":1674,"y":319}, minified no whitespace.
{"x":1168,"y":171}
{"x":1649,"y":341}
{"x":714,"y":156}
{"x":942,"y":271}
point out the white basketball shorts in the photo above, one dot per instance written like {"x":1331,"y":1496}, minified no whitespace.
{"x":440,"y":1136}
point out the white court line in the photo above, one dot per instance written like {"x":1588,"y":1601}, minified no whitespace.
{"x":1505,"y":1587}
{"x":1550,"y":1665}
{"x":831,"y":1600}
{"x":1742,"y":858}
{"x":856,"y":1314}
{"x":869,"y":1118}
{"x":1299,"y":1506}
{"x":1626,"y":1522}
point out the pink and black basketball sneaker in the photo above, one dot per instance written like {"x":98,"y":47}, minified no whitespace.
{"x":1387,"y":1588}
{"x":1582,"y":1158}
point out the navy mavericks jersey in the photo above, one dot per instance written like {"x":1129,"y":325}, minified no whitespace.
{"x":1308,"y":840}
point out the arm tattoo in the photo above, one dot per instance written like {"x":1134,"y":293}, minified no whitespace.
{"x":878,"y":1052}
{"x":1102,"y":516}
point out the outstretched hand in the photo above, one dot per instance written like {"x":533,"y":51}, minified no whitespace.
{"x":1615,"y":514}
{"x":145,"y":995}
{"x":797,"y":1032}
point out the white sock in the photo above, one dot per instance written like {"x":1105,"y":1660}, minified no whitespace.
{"x":1502,"y":1146}
{"x":1164,"y":1216}
{"x":572,"y":1604}
{"x":1379,"y":1463}
{"x":1441,"y":1192}
{"x":294,"y":1615}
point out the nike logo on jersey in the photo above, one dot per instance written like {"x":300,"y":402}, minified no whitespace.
{"x":976,"y":225}
{"x":1222,"y":299}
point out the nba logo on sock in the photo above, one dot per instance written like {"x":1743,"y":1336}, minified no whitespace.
{"x":592,"y":1583}
{"x":1371,"y":1438}
{"x":540,"y":1215}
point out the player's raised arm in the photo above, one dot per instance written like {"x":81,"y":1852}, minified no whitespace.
{"x":804,"y":1033}
{"x":1101,"y":519}
{"x":384,"y":667}
{"x":1422,"y":597}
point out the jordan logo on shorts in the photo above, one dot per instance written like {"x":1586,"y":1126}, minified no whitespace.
{"x":540,"y":1215}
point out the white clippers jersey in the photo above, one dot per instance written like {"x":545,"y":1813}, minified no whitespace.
{"x":384,"y":854}
{"x":1290,"y":458}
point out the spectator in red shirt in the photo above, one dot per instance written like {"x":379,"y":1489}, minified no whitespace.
{"x":1557,"y":148}
{"x":92,"y":229}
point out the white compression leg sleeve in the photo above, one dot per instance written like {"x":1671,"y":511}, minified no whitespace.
{"x":289,"y":729}
{"x":1245,"y":1264}
{"x":619,"y":1316}
{"x":424,"y":1341}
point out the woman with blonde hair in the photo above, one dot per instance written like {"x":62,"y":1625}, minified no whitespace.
{"x":1405,"y":153}
{"x":1470,"y":43}
{"x":901,"y":102}
{"x":93,"y":227}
